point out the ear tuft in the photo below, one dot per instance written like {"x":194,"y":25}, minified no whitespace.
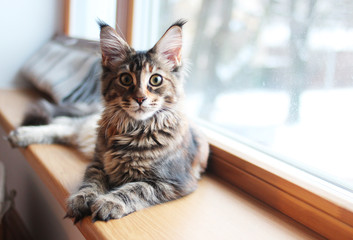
{"x":102,"y":24}
{"x":114,"y":48}
{"x":180,"y":23}
{"x":168,"y":48}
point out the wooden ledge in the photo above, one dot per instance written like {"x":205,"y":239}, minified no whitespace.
{"x":214,"y":211}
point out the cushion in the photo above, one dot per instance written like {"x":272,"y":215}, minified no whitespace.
{"x":66,"y":69}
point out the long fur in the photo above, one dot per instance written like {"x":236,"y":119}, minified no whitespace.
{"x":146,"y":152}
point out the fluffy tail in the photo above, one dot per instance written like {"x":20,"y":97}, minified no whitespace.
{"x":42,"y":112}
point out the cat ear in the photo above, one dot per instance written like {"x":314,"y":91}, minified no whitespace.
{"x":168,"y":48}
{"x":114,"y":48}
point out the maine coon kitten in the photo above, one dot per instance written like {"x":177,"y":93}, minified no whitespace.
{"x":146,"y":152}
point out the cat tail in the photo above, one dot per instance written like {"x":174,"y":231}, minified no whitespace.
{"x":42,"y":112}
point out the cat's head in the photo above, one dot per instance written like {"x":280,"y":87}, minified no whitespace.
{"x":142,"y":83}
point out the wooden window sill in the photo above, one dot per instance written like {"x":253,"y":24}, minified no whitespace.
{"x":215,"y":211}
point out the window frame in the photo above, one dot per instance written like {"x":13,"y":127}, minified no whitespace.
{"x":124,"y":18}
{"x":315,"y":203}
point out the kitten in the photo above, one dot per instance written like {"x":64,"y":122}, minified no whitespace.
{"x":146,"y":152}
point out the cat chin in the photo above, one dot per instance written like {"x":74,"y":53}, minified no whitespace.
{"x":141,"y":115}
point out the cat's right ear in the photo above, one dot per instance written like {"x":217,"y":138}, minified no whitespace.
{"x":114,"y":49}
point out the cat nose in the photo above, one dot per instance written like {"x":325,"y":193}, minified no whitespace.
{"x":140,"y":100}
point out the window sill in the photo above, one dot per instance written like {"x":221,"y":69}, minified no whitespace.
{"x":321,"y":206}
{"x":215,"y":211}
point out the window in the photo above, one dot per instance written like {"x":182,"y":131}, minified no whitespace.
{"x":84,"y":14}
{"x":276,"y":75}
{"x":272,"y":82}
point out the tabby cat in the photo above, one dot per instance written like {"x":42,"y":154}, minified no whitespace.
{"x":146,"y":152}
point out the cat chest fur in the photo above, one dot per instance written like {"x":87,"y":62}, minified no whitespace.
{"x":133,"y":156}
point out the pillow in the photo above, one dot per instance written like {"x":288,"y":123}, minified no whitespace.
{"x":67,"y":69}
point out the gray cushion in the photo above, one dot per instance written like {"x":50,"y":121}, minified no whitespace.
{"x":67,"y":69}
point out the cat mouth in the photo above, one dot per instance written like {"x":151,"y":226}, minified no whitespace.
{"x":140,"y":112}
{"x":142,"y":109}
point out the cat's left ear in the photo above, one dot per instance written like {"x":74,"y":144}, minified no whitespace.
{"x":168,"y":48}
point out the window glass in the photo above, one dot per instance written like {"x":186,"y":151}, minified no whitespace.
{"x":275,"y":74}
{"x":85,"y":13}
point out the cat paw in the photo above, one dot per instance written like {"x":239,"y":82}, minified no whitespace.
{"x":20,"y":137}
{"x":107,"y":207}
{"x":78,"y":205}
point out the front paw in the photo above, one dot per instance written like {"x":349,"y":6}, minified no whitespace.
{"x":79,"y":205}
{"x":107,"y":207}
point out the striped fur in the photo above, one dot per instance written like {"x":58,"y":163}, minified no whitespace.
{"x":146,"y":151}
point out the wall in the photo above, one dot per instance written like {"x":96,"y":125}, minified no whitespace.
{"x":25,"y":27}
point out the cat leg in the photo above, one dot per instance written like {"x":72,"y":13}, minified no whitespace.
{"x":61,"y":130}
{"x":47,"y":134}
{"x":132,"y":197}
{"x":78,"y":205}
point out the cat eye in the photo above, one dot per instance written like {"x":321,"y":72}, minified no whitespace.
{"x":126,"y":79}
{"x":156,"y":80}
